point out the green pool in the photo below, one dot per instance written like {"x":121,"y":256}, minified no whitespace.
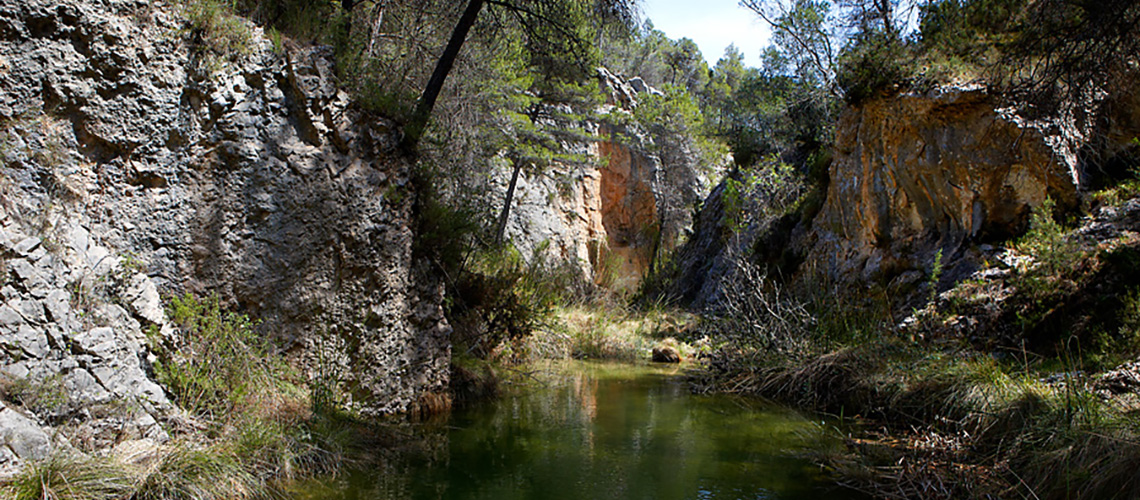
{"x":582,"y":430}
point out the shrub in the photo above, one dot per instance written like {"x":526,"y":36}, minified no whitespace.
{"x":758,"y":314}
{"x":605,"y":335}
{"x":1125,"y":189}
{"x":444,"y":232}
{"x":216,"y":32}
{"x":770,"y":189}
{"x":304,"y":19}
{"x":508,"y":298}
{"x":960,"y":36}
{"x":44,"y":397}
{"x":1054,"y":253}
{"x":874,"y":65}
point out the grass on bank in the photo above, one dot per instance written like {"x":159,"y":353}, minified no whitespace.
{"x":1016,"y":433}
{"x":507,"y":309}
{"x":70,"y":477}
{"x":255,"y":424}
{"x":1007,"y":406}
{"x":611,"y":333}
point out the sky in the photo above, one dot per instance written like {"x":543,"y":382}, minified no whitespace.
{"x":713,"y":24}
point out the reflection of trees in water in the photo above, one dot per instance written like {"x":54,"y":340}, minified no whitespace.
{"x":586,"y":390}
{"x":595,"y":433}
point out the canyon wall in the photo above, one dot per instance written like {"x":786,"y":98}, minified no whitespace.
{"x":911,"y":175}
{"x":916,"y":174}
{"x":611,"y":214}
{"x":136,"y":166}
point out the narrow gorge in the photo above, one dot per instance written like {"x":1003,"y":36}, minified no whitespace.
{"x":540,"y":249}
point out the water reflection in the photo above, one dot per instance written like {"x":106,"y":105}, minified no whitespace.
{"x":603,"y":431}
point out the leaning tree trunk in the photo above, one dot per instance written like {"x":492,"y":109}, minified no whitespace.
{"x":414,"y":129}
{"x":656,"y":248}
{"x":501,"y":230}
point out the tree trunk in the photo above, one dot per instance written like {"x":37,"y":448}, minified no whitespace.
{"x":414,"y":130}
{"x":347,"y":5}
{"x":501,"y":230}
{"x":377,"y":21}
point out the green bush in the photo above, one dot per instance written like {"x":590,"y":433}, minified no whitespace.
{"x":216,"y":32}
{"x":445,"y":232}
{"x":509,"y":297}
{"x":967,"y":30}
{"x":872,"y":66}
{"x":770,"y":189}
{"x":302,"y":19}
{"x":46,"y":396}
{"x":1054,"y":253}
{"x":1125,"y":189}
{"x":262,"y":425}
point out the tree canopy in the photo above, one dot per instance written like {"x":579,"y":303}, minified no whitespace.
{"x":553,"y":30}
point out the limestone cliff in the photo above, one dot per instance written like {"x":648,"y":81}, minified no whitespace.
{"x":612,"y":213}
{"x":921,"y":173}
{"x":132,"y":169}
{"x":911,"y":175}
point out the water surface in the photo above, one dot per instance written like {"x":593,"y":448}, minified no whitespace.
{"x":603,"y":431}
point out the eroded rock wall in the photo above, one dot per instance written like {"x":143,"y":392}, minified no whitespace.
{"x":911,"y":175}
{"x":134,"y":167}
{"x":919,"y":173}
{"x":607,"y":214}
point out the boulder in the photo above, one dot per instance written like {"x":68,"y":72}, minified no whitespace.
{"x":21,"y":435}
{"x":666,"y":354}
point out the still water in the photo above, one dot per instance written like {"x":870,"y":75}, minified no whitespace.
{"x":603,"y":431}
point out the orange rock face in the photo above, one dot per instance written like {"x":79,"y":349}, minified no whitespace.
{"x":607,"y":214}
{"x":628,"y":210}
{"x":917,"y":173}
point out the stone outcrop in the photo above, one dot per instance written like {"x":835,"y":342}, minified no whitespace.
{"x":610,"y":215}
{"x":920,"y":173}
{"x":72,"y":347}
{"x":20,"y":438}
{"x":911,"y":175}
{"x":135,"y":168}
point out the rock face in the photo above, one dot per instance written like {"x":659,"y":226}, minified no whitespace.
{"x":21,"y":438}
{"x":612,"y":214}
{"x":133,"y":169}
{"x":916,"y":174}
{"x":911,"y":175}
